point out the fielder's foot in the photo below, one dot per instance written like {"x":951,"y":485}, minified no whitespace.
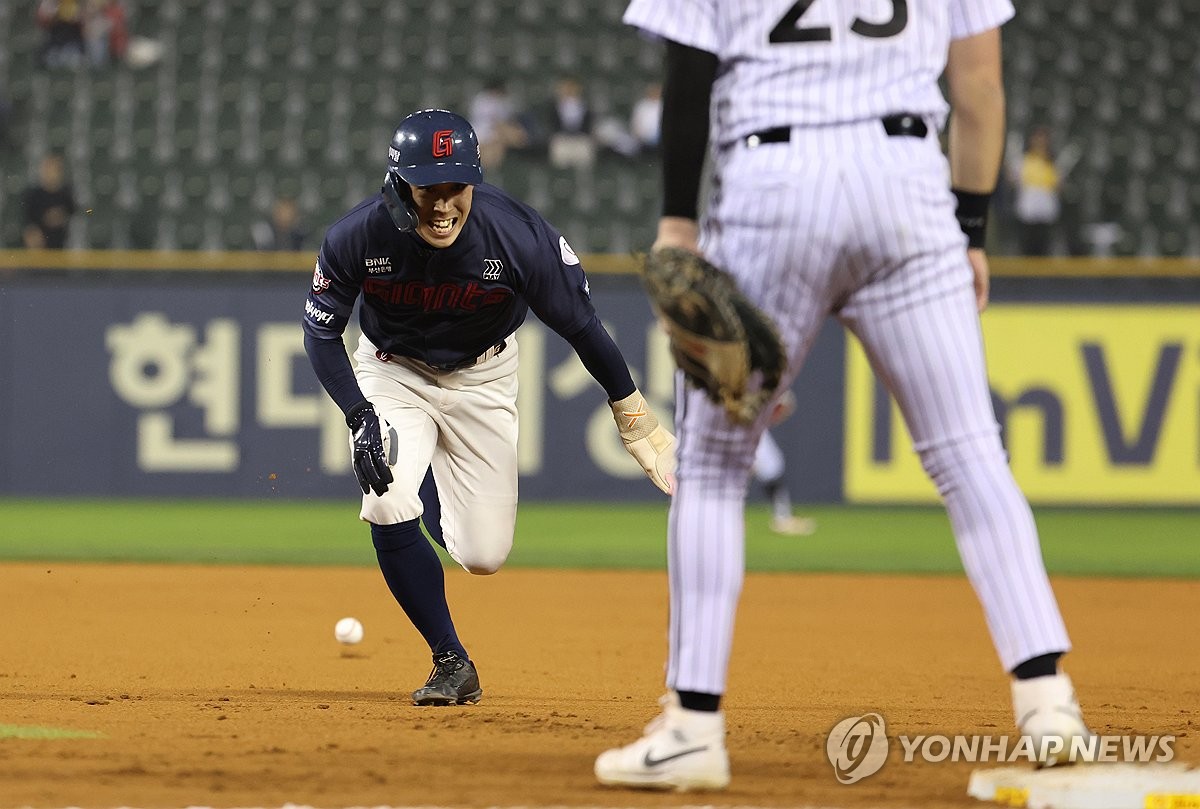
{"x":681,"y":750}
{"x":793,"y":526}
{"x":453,"y":681}
{"x":1048,"y":713}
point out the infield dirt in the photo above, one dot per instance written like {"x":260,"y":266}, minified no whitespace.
{"x":224,"y":687}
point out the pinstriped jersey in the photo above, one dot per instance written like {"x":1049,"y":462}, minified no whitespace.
{"x":816,"y":62}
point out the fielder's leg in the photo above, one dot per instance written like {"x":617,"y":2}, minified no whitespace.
{"x":706,"y":522}
{"x":926,"y":346}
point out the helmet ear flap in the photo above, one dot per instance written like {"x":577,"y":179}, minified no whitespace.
{"x":397,"y":197}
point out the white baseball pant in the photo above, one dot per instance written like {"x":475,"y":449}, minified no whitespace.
{"x":462,"y":422}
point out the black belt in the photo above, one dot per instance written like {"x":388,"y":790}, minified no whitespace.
{"x":904,"y":124}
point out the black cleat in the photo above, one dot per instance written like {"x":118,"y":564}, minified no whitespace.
{"x":453,"y":681}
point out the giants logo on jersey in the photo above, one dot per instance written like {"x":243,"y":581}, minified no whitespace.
{"x":435,"y":297}
{"x":320,"y":282}
{"x":443,"y":143}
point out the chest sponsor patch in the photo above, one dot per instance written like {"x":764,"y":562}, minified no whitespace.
{"x":492,"y":267}
{"x":568,"y":255}
{"x":378,"y":266}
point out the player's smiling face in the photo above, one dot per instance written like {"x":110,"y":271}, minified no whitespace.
{"x":442,"y":210}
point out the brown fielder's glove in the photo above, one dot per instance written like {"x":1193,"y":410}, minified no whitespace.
{"x":718,"y":337}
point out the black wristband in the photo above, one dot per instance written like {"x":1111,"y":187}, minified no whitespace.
{"x":972,"y":213}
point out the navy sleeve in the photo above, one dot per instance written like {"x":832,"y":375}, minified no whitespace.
{"x":603,"y":360}
{"x":331,"y":296}
{"x":558,"y":293}
{"x":326,"y":313}
{"x":332,"y":367}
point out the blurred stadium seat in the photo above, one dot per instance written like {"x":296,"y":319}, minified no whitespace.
{"x":264,"y":97}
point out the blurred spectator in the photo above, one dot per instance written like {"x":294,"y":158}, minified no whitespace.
{"x":63,"y":22}
{"x":570,"y":113}
{"x":642,"y":133}
{"x":571,"y":144}
{"x":645,"y":122}
{"x":283,"y":231}
{"x":496,"y":124}
{"x":49,"y":205}
{"x":1038,"y":193}
{"x":107,"y":32}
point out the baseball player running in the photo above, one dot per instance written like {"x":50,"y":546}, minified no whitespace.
{"x":831,"y":195}
{"x":447,"y":268}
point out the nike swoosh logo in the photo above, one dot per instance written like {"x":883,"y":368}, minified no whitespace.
{"x":654,"y":762}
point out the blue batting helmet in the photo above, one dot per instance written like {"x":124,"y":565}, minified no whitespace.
{"x":429,"y":147}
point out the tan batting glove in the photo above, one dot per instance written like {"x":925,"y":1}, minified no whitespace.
{"x":650,"y":444}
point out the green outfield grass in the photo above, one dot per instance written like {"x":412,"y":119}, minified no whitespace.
{"x":1111,"y":542}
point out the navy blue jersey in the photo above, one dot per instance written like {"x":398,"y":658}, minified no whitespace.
{"x":446,"y":306}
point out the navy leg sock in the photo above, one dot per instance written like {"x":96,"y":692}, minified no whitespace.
{"x":432,"y":518}
{"x":414,"y":574}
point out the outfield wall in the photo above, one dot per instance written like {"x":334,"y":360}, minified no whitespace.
{"x":128,"y":374}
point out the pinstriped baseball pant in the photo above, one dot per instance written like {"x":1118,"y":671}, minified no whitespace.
{"x":847,"y":221}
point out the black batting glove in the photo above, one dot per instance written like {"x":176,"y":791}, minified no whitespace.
{"x":370,"y":461}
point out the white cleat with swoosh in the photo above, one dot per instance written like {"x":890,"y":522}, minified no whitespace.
{"x":1048,"y":713}
{"x":681,"y":750}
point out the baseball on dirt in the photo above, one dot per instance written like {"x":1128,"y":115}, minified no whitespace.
{"x":348,"y":630}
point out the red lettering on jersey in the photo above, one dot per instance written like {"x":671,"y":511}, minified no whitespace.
{"x":443,"y":143}
{"x":471,"y":294}
{"x":447,"y":296}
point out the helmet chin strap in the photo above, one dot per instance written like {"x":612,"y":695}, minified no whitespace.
{"x":397,"y":197}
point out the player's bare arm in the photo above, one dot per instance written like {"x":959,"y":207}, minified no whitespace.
{"x":976,"y":135}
